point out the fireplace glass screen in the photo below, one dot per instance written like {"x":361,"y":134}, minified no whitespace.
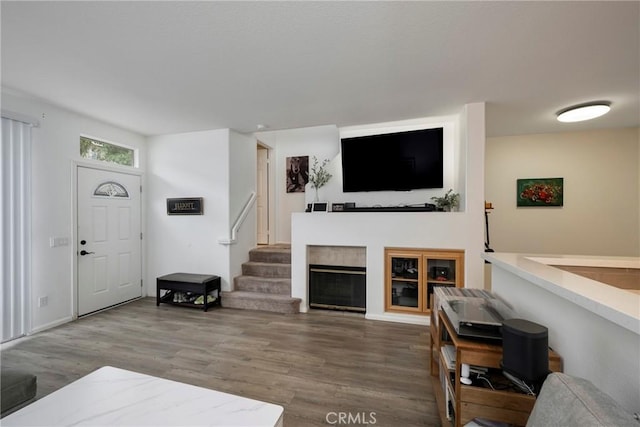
{"x":337,"y":287}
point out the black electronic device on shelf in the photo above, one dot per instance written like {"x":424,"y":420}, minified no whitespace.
{"x":420,"y":208}
{"x":440,"y":273}
{"x":476,"y":318}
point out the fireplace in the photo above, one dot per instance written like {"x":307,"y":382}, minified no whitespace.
{"x":338,"y":287}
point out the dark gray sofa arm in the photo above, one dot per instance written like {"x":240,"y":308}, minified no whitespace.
{"x":18,"y":388}
{"x":565,"y":400}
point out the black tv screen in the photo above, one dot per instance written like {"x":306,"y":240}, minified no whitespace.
{"x":398,"y":161}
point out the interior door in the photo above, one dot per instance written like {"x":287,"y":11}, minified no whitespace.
{"x":262,"y":196}
{"x":109,"y":239}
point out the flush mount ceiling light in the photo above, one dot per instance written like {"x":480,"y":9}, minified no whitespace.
{"x":588,"y":111}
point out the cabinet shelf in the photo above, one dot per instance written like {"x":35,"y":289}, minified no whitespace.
{"x":447,"y":376}
{"x":404,"y":279}
{"x":167,"y":298}
{"x":441,"y":282}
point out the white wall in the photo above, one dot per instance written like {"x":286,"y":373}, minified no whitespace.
{"x":243,"y":181}
{"x":192,"y":164}
{"x":591,"y":346}
{"x":55,"y":147}
{"x":320,"y":141}
{"x":324,"y":143}
{"x":376,"y":231}
{"x":601,"y":208}
{"x":452,"y":154}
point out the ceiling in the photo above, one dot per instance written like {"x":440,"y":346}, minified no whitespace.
{"x":176,"y":66}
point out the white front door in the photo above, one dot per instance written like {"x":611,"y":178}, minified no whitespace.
{"x":109,"y":239}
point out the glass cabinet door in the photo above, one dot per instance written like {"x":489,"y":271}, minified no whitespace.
{"x":439,"y":272}
{"x":412,"y":274}
{"x":405,"y":282}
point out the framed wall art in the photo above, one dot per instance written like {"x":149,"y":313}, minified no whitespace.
{"x":185,"y":206}
{"x":540,"y":192}
{"x":297,"y":173}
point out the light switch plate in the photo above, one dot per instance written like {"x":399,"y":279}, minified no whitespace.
{"x":58,"y":241}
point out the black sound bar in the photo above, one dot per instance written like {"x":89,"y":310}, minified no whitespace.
{"x":390,"y":209}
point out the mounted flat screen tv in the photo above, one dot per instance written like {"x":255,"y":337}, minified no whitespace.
{"x":398,"y":161}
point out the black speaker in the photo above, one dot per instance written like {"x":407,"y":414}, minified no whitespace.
{"x":525,"y":349}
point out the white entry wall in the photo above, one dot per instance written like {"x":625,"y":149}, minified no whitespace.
{"x":219,"y":166}
{"x":55,"y":148}
{"x":194,"y":164}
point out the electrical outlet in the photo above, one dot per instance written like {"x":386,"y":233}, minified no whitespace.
{"x":43,"y":301}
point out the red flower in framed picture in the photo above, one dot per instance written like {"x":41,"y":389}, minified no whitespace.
{"x":540,"y":192}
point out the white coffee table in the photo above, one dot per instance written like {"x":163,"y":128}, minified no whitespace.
{"x":116,"y":397}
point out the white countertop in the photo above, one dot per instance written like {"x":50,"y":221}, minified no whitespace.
{"x":116,"y":397}
{"x":616,"y":305}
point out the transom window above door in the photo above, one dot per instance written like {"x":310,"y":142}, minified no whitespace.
{"x":103,"y":151}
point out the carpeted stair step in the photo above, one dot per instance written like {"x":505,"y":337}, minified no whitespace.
{"x":266,"y":269}
{"x":280,"y":254}
{"x":260,"y":301}
{"x":267,"y":285}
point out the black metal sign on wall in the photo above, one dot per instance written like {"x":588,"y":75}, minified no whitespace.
{"x":185,"y":206}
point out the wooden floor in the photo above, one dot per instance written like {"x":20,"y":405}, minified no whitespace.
{"x":312,"y":364}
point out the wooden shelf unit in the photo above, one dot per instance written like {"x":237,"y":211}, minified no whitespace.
{"x":409,"y":281}
{"x":472,"y":401}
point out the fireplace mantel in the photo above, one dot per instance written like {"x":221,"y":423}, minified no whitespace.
{"x":375,"y":232}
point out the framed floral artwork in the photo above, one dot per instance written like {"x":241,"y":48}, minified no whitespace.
{"x":540,"y":192}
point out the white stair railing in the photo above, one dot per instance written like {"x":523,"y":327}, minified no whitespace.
{"x":234,"y":230}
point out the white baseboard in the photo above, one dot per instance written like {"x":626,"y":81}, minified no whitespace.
{"x":51,"y":325}
{"x":400,"y":318}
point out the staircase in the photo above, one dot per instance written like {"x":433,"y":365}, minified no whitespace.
{"x":265,"y":283}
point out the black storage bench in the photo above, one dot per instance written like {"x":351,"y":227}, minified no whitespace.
{"x":185,"y":289}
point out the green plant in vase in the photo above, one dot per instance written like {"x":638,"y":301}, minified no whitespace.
{"x":319,"y":175}
{"x":449,"y":202}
